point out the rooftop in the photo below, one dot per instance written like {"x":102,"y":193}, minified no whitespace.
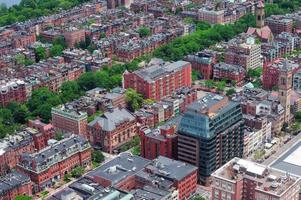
{"x":290,"y":161}
{"x":269,"y":180}
{"x":12,"y":180}
{"x":118,"y":169}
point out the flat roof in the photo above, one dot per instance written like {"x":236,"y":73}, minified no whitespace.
{"x":290,"y":160}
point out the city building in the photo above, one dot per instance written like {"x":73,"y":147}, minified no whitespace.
{"x":297,"y":81}
{"x":289,"y":161}
{"x":230,"y":72}
{"x":49,"y":165}
{"x":11,"y":148}
{"x":243,"y":179}
{"x":279,"y":24}
{"x":117,"y":3}
{"x":12,"y":91}
{"x":158,"y":142}
{"x":85,"y":188}
{"x":112,"y":129}
{"x":67,"y":119}
{"x":203,"y":62}
{"x":159,"y":79}
{"x":14,"y":184}
{"x":211,"y":16}
{"x":244,"y":53}
{"x":162,"y":178}
{"x":210,"y":134}
{"x":285,"y":85}
{"x":253,"y":140}
{"x":261,"y":31}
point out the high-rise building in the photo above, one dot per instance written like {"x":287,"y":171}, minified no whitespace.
{"x":285,"y":89}
{"x":210,"y":134}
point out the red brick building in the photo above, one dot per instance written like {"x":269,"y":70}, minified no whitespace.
{"x":12,"y":148}
{"x":44,"y":133}
{"x":203,"y":62}
{"x":52,"y":163}
{"x":14,"y":184}
{"x":112,"y":129}
{"x":175,"y":180}
{"x":23,"y":40}
{"x":229,"y":72}
{"x":69,"y":120}
{"x":74,"y":36}
{"x":12,"y":91}
{"x":158,"y":142}
{"x":279,"y":24}
{"x":159,"y":79}
{"x":271,"y":71}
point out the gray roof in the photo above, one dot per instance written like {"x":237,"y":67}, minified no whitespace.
{"x":157,"y":71}
{"x":118,"y":169}
{"x":173,"y":169}
{"x":110,"y":120}
{"x":12,"y":181}
{"x":286,"y":166}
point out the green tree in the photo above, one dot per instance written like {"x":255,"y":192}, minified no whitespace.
{"x":133,"y":99}
{"x":87,"y":81}
{"x":209,"y":83}
{"x":144,"y":31}
{"x":20,"y":59}
{"x":199,"y":198}
{"x":97,"y":156}
{"x":21,"y":114}
{"x":195,"y":75}
{"x":70,"y":90}
{"x":230,"y":92}
{"x":59,"y":136}
{"x":40,"y":53}
{"x":22,"y":197}
{"x":56,"y":50}
{"x":60,"y":40}
{"x":77,"y":172}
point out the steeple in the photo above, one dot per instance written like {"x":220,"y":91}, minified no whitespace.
{"x":260,"y":15}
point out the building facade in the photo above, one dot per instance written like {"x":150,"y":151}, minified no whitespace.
{"x":68,"y":120}
{"x":159,"y":79}
{"x":210,"y":134}
{"x":51,"y":164}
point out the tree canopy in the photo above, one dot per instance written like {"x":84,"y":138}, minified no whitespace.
{"x":144,"y":31}
{"x":133,"y":99}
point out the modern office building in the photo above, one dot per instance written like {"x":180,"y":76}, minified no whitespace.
{"x":210,"y":134}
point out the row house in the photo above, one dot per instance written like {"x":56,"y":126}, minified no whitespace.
{"x":203,"y":62}
{"x":133,"y":49}
{"x":279,"y":24}
{"x":12,"y":91}
{"x":112,"y":129}
{"x":14,"y":184}
{"x":229,"y":72}
{"x":52,"y":163}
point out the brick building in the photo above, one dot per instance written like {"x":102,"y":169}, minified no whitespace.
{"x":67,"y":119}
{"x":243,"y":179}
{"x":11,"y":149}
{"x":158,"y":142}
{"x":13,"y":91}
{"x":117,"y":3}
{"x":211,"y":16}
{"x":279,"y":24}
{"x":230,"y":72}
{"x":52,"y":163}
{"x":174,"y":180}
{"x":74,"y":36}
{"x":203,"y":62}
{"x":41,"y":133}
{"x":245,"y":53}
{"x":112,"y":129}
{"x":159,"y":79}
{"x":271,"y":72}
{"x":23,"y":40}
{"x":14,"y":184}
